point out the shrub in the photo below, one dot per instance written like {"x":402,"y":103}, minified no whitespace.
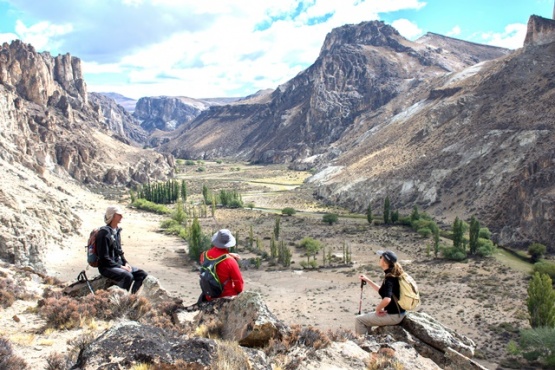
{"x":538,"y":343}
{"x":288,"y":211}
{"x":454,"y":254}
{"x":484,"y":233}
{"x":189,"y":162}
{"x":7,"y":359}
{"x":425,"y":232}
{"x":545,"y":267}
{"x":330,"y":218}
{"x":486,"y":247}
{"x":536,"y":251}
{"x":145,"y":205}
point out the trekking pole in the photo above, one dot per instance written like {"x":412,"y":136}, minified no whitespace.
{"x":362,"y":284}
{"x":83,"y":277}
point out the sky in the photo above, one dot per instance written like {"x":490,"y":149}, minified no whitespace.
{"x":234,"y":48}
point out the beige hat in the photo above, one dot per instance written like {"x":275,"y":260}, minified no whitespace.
{"x":223,"y":239}
{"x":110,"y":212}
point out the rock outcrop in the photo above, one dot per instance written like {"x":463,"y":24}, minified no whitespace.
{"x":248,"y":333}
{"x":540,"y":31}
{"x":51,"y":134}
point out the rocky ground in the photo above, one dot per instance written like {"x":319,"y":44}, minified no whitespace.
{"x":481,"y":299}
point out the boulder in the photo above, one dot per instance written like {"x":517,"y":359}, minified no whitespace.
{"x":433,"y":333}
{"x":129,"y":343}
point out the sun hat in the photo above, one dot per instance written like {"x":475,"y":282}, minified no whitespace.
{"x":388,"y":255}
{"x":110,"y":212}
{"x":223,"y":239}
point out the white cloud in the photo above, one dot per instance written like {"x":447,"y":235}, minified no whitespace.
{"x":407,"y":28}
{"x":43,"y":34}
{"x":512,"y":38}
{"x":8,"y":37}
{"x":196,"y":48}
{"x":455,"y":31}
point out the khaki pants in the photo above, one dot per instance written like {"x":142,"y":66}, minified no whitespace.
{"x":364,"y":322}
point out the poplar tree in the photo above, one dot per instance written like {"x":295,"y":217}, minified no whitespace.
{"x":276,"y":227}
{"x":541,"y":301}
{"x":474,"y":234}
{"x":386,"y":211}
{"x":458,"y":234}
{"x":195,"y":240}
{"x":369,"y":217}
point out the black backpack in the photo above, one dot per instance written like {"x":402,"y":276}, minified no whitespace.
{"x":209,"y":282}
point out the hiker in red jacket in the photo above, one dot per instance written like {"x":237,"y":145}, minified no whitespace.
{"x":228,"y":270}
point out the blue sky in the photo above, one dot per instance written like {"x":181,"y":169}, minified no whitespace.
{"x":220,"y":48}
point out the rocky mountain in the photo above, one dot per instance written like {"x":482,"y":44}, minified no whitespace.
{"x":360,"y":68}
{"x":127,"y":103}
{"x":456,"y":128}
{"x":166,"y":113}
{"x":117,"y":119}
{"x":52,"y":134}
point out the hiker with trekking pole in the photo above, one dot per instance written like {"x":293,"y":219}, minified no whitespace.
{"x":388,"y":311}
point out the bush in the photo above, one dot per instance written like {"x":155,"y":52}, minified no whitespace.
{"x":484,"y":233}
{"x":536,"y":251}
{"x":7,"y":359}
{"x":425,"y":232}
{"x":485,"y":248}
{"x":145,"y":205}
{"x":330,"y":218}
{"x":454,"y":254}
{"x":190,"y":162}
{"x":545,"y":267}
{"x":288,"y":211}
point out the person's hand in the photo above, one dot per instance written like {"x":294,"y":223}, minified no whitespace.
{"x":363,"y":278}
{"x":381,"y":312}
{"x":235,"y":255}
{"x":127,"y":267}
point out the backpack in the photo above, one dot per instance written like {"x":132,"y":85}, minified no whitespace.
{"x":209,"y":282}
{"x":92,"y":256}
{"x":410,"y":296}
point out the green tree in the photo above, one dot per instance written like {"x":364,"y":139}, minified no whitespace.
{"x":273,"y":247}
{"x":289,"y":211}
{"x":386,"y":211}
{"x":537,"y":343}
{"x":311,"y":246}
{"x":536,"y":251}
{"x":414,"y":215}
{"x":458,"y":234}
{"x":541,"y":301}
{"x":205,"y":194}
{"x":330,"y":218}
{"x":276,"y":227}
{"x":394,"y":216}
{"x":436,"y":242}
{"x":251,"y":237}
{"x":474,"y":235}
{"x":195,"y":240}
{"x":369,"y":216}
{"x":183,"y":191}
{"x":179,"y":215}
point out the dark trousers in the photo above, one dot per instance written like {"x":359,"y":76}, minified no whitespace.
{"x":124,"y":278}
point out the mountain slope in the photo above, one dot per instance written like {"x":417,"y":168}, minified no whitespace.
{"x":53,"y":136}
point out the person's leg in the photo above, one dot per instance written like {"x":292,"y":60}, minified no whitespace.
{"x":138,"y":277}
{"x":365,"y":322}
{"x":122,"y":277}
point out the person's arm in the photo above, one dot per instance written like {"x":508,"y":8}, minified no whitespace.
{"x":235,"y":275}
{"x":373,"y":285}
{"x":386,"y":293}
{"x":103,"y":242}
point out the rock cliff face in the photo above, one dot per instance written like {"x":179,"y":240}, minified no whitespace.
{"x":117,"y":119}
{"x":50,"y":133}
{"x":540,"y":31}
{"x":166,"y":113}
{"x":360,"y":68}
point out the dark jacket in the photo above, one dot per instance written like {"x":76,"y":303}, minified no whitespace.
{"x":108,"y":248}
{"x":390,"y":287}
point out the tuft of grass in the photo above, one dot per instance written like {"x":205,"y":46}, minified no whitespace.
{"x":230,"y":356}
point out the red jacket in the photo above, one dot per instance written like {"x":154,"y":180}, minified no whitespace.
{"x":227,"y":270}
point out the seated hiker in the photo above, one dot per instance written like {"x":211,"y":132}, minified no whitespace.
{"x":111,"y":261}
{"x":227,"y":270}
{"x":387,"y":311}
